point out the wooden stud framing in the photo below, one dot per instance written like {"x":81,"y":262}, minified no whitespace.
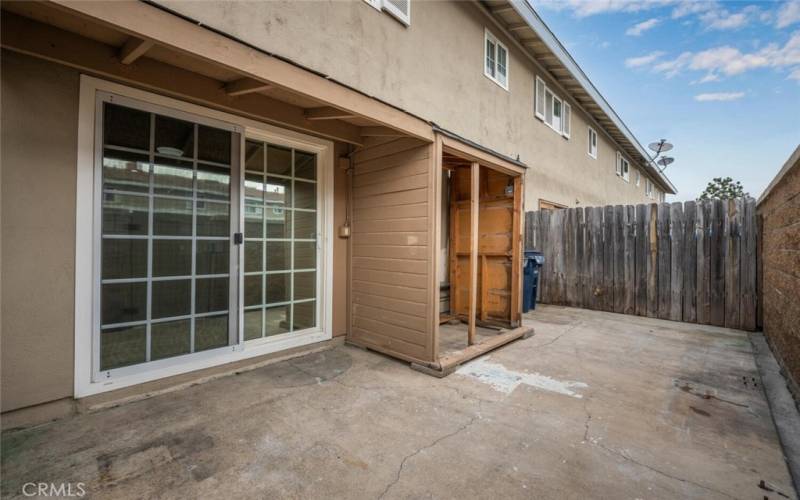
{"x":245,"y":86}
{"x":133,"y":49}
{"x":516,"y":254}
{"x":474,"y":196}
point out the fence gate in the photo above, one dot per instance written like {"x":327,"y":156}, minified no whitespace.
{"x":692,"y":261}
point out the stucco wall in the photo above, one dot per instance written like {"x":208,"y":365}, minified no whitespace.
{"x":434,"y":69}
{"x":780,"y":251}
{"x":39,"y":141}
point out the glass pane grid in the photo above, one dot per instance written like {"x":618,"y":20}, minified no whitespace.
{"x":282,"y":183}
{"x":185,"y":189}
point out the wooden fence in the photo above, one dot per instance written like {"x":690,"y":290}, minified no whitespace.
{"x":692,"y":262}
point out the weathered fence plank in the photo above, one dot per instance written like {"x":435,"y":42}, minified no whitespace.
{"x":664,"y":262}
{"x":732,"y":263}
{"x":692,"y":262}
{"x":640,"y":270}
{"x":676,"y":261}
{"x":629,"y":260}
{"x":718,"y":249}
{"x":618,"y":238}
{"x":749,"y":266}
{"x":651,"y":251}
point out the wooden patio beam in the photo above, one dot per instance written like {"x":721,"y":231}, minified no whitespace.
{"x":327,"y":113}
{"x":380,"y":132}
{"x":245,"y":86}
{"x":133,"y":49}
{"x":40,"y":40}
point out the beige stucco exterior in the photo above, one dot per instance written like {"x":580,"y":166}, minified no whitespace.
{"x":434,"y":69}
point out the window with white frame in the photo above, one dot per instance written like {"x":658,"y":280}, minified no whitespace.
{"x":648,"y":188}
{"x":400,"y":9}
{"x":496,"y":60}
{"x":623,"y":167}
{"x":552,"y":110}
{"x":638,"y":178}
{"x":592,"y":143}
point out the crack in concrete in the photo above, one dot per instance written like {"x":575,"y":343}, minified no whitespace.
{"x":641,"y":464}
{"x":545,"y":344}
{"x":420,"y":450}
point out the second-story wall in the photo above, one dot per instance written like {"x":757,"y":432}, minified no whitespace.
{"x":434,"y":69}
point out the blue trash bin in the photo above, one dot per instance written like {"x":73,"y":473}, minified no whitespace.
{"x":533,"y":261}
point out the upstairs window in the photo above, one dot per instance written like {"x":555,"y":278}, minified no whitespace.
{"x":592,"y":143}
{"x":496,"y":60}
{"x":552,"y":110}
{"x":638,"y":178}
{"x":648,"y":188}
{"x":623,"y":167}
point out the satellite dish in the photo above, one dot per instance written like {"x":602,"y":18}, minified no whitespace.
{"x":659,"y":147}
{"x":665,"y":161}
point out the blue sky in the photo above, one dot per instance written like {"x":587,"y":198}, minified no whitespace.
{"x":720,"y":80}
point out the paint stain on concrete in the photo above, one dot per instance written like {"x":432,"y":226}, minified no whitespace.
{"x":504,"y":380}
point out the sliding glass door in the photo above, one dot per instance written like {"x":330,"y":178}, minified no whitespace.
{"x":175,"y":193}
{"x":167,"y":265}
{"x":281,"y":251}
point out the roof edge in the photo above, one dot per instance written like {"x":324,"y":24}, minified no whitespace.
{"x":527,"y":12}
{"x":794,"y":159}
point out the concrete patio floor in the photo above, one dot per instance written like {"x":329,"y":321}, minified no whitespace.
{"x":594,"y":405}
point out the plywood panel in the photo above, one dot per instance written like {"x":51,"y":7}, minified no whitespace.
{"x":391,"y":249}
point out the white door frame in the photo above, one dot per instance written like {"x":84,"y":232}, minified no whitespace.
{"x":86,"y":381}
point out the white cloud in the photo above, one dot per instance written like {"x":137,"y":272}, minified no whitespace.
{"x":636,"y":62}
{"x":585,"y":8}
{"x":723,"y":20}
{"x":788,"y":14}
{"x":795,"y":75}
{"x":731,"y":61}
{"x":688,"y":7}
{"x":719,"y":96}
{"x":641,"y":27}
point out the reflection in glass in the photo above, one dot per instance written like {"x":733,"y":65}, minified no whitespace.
{"x":254,"y":156}
{"x":278,"y":287}
{"x":172,"y":217}
{"x":210,"y":332}
{"x":305,"y":165}
{"x":278,"y":319}
{"x":124,"y":258}
{"x":126,"y":127}
{"x":126,"y":171}
{"x":305,"y":315}
{"x":173,"y":177}
{"x":125,"y":214}
{"x":174,"y":137}
{"x":279,"y":222}
{"x":253,"y":221}
{"x":171,"y":338}
{"x":172,"y":257}
{"x":305,"y":195}
{"x":213,"y":182}
{"x":123,"y":346}
{"x":252,"y":324}
{"x":253,"y":256}
{"x":279,"y":255}
{"x":213,"y":257}
{"x":252,"y":290}
{"x":254,"y":188}
{"x":305,"y":255}
{"x":305,"y":225}
{"x":123,"y":302}
{"x":305,"y":284}
{"x":171,"y":298}
{"x":279,"y":160}
{"x":212,"y":219}
{"x":278,"y":191}
{"x":213,"y":144}
{"x":211,"y":295}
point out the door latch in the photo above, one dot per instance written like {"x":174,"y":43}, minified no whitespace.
{"x":238,"y":238}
